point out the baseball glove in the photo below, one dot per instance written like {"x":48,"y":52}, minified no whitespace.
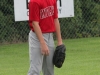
{"x":59,"y":56}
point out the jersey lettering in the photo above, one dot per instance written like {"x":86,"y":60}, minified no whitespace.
{"x":47,"y":12}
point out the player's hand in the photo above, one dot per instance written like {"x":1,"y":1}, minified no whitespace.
{"x":44,"y":49}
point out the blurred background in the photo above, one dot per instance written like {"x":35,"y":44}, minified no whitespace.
{"x":86,"y":22}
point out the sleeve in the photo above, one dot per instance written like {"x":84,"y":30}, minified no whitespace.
{"x":33,"y":11}
{"x":55,"y":11}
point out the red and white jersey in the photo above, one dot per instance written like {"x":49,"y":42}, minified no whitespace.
{"x":43,"y":11}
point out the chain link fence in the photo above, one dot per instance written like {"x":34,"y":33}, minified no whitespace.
{"x":86,"y":22}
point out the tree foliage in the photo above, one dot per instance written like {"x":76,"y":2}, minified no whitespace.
{"x":11,"y":31}
{"x":85,"y":23}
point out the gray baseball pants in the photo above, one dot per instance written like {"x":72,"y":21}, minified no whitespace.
{"x":39,"y":62}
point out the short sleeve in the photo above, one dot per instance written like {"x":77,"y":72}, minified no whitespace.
{"x":33,"y":11}
{"x":55,"y":11}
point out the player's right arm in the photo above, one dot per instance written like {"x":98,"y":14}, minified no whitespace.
{"x":44,"y":48}
{"x":34,"y":18}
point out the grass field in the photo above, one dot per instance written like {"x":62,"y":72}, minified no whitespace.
{"x":83,"y":58}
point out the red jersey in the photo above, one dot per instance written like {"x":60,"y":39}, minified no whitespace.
{"x":43,"y":11}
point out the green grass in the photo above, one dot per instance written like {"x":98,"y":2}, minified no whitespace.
{"x":83,"y":58}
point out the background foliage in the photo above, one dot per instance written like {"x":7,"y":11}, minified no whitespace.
{"x":86,"y":22}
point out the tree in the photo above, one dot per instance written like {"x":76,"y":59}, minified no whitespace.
{"x":11,"y":31}
{"x":91,"y":17}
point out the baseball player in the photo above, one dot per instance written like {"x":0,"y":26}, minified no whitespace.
{"x":43,"y":22}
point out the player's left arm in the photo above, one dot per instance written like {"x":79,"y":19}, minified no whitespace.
{"x":57,"y":25}
{"x":58,"y":32}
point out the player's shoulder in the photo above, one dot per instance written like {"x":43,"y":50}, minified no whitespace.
{"x":35,"y":1}
{"x":55,"y":1}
